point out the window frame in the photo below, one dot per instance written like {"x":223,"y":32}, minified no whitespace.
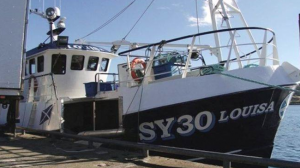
{"x":38,"y":64}
{"x":88,"y":64}
{"x":106,"y":66}
{"x":82,"y":63}
{"x":64,"y":56}
{"x":30,"y":66}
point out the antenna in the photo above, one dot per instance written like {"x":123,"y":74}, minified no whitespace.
{"x":52,"y":14}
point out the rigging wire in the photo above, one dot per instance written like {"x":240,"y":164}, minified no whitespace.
{"x":197,"y":21}
{"x":140,"y":86}
{"x":138,"y":20}
{"x":110,"y":20}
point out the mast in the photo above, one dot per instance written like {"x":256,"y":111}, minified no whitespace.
{"x":224,"y":8}
{"x":214,"y":25}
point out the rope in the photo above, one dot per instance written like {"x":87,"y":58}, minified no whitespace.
{"x":218,"y":69}
{"x":110,"y":20}
{"x":140,"y":101}
{"x":257,"y":82}
{"x":138,"y":20}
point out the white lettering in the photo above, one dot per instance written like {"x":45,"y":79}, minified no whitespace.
{"x":204,"y":121}
{"x":201,"y":125}
{"x":166,"y":129}
{"x":147,"y":133}
{"x":236,"y":114}
{"x":262,"y":108}
{"x":186,"y":122}
{"x":246,"y":112}
{"x":270,"y":107}
{"x":224,"y":117}
{"x":254,"y":110}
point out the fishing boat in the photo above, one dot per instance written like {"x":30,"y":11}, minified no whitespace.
{"x":212,"y":96}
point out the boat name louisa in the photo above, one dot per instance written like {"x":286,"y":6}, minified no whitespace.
{"x":203,"y":122}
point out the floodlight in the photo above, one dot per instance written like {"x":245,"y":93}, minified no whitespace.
{"x":52,"y":13}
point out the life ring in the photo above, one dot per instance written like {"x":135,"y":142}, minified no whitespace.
{"x":137,"y":73}
{"x":35,"y":84}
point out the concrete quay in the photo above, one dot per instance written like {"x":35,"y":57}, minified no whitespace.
{"x":38,"y":151}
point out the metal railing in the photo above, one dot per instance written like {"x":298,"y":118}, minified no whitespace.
{"x":261,"y":51}
{"x":227,"y":159}
{"x":99,"y":80}
{"x":206,"y":33}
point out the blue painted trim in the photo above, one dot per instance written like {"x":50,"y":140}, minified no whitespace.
{"x":82,"y":47}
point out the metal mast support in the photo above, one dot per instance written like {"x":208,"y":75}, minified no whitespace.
{"x":237,"y":11}
{"x":226,"y":9}
{"x":214,"y":25}
{"x":226,"y":18}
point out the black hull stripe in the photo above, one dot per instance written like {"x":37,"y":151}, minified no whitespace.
{"x":241,"y":133}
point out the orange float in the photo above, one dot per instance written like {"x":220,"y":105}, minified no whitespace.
{"x":137,"y":74}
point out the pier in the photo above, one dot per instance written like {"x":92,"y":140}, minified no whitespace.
{"x":26,"y":150}
{"x":39,"y":151}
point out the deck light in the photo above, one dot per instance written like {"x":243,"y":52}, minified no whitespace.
{"x":52,"y":13}
{"x":195,"y":54}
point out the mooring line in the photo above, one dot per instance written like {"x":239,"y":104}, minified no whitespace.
{"x":257,"y":82}
{"x":219,"y":69}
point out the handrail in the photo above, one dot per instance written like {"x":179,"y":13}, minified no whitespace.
{"x":98,"y":74}
{"x":192,"y":68}
{"x":239,"y":59}
{"x":226,"y":158}
{"x":99,"y":80}
{"x":212,"y":49}
{"x":204,"y":33}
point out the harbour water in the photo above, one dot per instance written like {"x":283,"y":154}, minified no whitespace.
{"x":287,"y":141}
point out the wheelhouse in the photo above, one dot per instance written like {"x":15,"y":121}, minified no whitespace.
{"x":71,"y":67}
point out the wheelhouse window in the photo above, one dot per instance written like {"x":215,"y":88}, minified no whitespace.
{"x":32,"y":66}
{"x":58,"y":64}
{"x":40,"y":64}
{"x":104,"y":64}
{"x":77,"y":62}
{"x":93,"y":63}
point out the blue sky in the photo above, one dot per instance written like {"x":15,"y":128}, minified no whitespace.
{"x":164,"y":20}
